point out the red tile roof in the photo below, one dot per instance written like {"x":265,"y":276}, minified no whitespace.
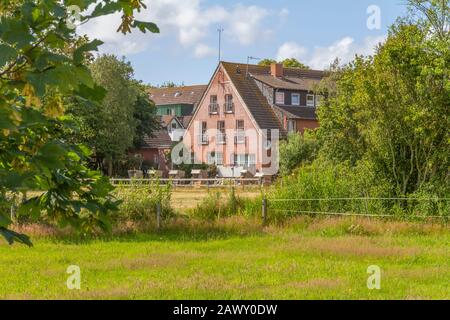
{"x":177,"y":95}
{"x":160,"y":140}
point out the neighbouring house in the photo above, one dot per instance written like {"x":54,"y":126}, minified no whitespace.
{"x":175,"y":106}
{"x":176,"y":101}
{"x":156,"y":150}
{"x":176,"y":126}
{"x":243,"y":113}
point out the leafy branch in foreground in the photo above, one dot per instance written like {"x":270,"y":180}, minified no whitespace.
{"x":37,"y":75}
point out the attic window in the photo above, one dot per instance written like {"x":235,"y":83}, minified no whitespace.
{"x":177,"y":94}
{"x":238,"y":70}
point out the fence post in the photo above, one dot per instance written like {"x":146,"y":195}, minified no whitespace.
{"x":158,"y":215}
{"x":264,"y":210}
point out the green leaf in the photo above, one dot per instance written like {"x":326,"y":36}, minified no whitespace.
{"x":6,"y":54}
{"x":144,"y":26}
{"x":12,"y":236}
{"x":91,"y":46}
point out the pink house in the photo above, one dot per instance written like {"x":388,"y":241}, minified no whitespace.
{"x":240,"y":118}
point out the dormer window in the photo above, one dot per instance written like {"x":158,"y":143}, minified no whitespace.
{"x":295,"y":99}
{"x":279,"y":98}
{"x":310,"y":100}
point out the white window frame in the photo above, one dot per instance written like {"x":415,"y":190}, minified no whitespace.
{"x":308,"y":102}
{"x":292,"y":99}
{"x":292,"y":128}
{"x":278,"y":98}
{"x":219,"y":158}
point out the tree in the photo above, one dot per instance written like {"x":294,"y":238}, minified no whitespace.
{"x":266,"y":62}
{"x":36,"y":79}
{"x":287,"y":63}
{"x":392,"y":109}
{"x":144,"y":113}
{"x":294,"y":63}
{"x":297,"y":150}
{"x":114,"y":120}
{"x":122,"y":120}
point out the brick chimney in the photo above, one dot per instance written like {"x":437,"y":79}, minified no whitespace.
{"x":276,"y":70}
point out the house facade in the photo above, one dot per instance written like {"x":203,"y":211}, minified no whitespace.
{"x":244,"y":112}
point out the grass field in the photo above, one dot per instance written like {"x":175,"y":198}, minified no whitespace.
{"x":188,"y":198}
{"x":237,"y":259}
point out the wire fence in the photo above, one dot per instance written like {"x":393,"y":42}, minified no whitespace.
{"x":414,"y":207}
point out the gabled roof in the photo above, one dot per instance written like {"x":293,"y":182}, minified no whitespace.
{"x":177,"y":95}
{"x":160,"y":140}
{"x":183,"y":121}
{"x":255,"y":101}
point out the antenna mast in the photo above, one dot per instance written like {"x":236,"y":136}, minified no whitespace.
{"x":248,"y":62}
{"x":220,"y":30}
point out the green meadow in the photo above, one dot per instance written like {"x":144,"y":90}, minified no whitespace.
{"x":236,"y":258}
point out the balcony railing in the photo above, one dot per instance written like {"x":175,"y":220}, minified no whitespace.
{"x":221,"y":138}
{"x":214,"y":108}
{"x":229,"y":107}
{"x":203,"y":139}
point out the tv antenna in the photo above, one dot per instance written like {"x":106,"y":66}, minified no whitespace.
{"x":248,"y":62}
{"x":220,"y":30}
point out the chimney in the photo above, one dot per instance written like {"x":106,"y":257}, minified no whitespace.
{"x":276,"y":70}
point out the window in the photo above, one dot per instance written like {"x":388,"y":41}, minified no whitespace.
{"x":291,"y":126}
{"x":215,"y":158}
{"x":219,"y":158}
{"x":174,"y":125}
{"x":310,"y":100}
{"x":295,"y":99}
{"x":213,"y":105}
{"x":244,"y":160}
{"x":240,"y":132}
{"x":279,"y":98}
{"x":229,"y":105}
{"x":318,"y":100}
{"x":211,"y":158}
{"x":203,"y":138}
{"x":221,"y":136}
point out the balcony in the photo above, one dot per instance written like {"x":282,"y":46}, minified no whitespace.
{"x":229,"y":107}
{"x":203,"y":139}
{"x":221,"y":138}
{"x":214,"y":108}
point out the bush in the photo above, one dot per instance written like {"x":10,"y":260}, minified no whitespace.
{"x":352,"y":189}
{"x":297,"y":150}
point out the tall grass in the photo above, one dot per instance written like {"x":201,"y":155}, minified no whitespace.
{"x":139,"y":201}
{"x":325,"y":188}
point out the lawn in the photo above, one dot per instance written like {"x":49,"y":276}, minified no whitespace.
{"x":237,"y":259}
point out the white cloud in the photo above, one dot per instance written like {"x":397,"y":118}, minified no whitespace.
{"x":321,"y":57}
{"x":291,"y":50}
{"x":190,"y":21}
{"x":202,"y":51}
{"x":245,"y":23}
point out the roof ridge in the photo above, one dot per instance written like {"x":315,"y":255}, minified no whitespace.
{"x":286,"y":68}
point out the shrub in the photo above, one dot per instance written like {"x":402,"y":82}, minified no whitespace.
{"x":297,"y":150}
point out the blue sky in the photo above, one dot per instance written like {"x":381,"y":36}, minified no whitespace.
{"x":315,"y":32}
